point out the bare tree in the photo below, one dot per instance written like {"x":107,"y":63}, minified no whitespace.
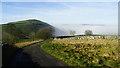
{"x":44,"y":33}
{"x":72,"y":32}
{"x":88,"y":32}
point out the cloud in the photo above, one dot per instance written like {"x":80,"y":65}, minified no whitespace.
{"x":64,"y":30}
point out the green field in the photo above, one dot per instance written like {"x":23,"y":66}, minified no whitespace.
{"x":85,"y":52}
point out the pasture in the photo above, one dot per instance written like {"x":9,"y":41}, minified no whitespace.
{"x":78,"y":51}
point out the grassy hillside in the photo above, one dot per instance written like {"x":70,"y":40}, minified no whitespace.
{"x":28,"y":26}
{"x":14,"y":32}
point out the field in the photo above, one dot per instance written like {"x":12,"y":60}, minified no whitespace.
{"x":85,"y":52}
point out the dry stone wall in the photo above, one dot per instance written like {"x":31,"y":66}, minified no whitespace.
{"x":92,"y":37}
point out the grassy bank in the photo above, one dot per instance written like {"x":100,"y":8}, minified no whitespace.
{"x":26,"y":43}
{"x":76,"y":52}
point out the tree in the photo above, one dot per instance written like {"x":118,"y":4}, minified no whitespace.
{"x":44,"y":33}
{"x":88,"y":32}
{"x":72,"y":32}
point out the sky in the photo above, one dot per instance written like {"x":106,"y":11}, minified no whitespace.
{"x":0,"y":12}
{"x":59,"y":0}
{"x":62,"y":12}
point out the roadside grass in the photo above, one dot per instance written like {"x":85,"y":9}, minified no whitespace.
{"x":76,"y":52}
{"x":26,"y":43}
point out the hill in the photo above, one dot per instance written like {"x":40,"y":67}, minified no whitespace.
{"x":16,"y":31}
{"x":28,"y":26}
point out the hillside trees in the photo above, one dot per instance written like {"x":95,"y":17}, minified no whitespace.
{"x":11,"y":34}
{"x":12,"y":29}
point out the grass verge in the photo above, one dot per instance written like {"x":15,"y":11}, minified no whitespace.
{"x":23,"y":44}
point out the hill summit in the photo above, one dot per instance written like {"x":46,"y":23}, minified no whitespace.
{"x":28,"y":21}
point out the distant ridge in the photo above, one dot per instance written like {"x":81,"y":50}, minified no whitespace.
{"x":93,"y":24}
{"x":86,"y":24}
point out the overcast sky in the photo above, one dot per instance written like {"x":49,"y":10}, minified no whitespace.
{"x":62,"y":12}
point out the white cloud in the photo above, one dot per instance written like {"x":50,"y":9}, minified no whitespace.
{"x":80,"y":29}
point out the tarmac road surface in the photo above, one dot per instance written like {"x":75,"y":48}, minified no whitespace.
{"x":33,"y":56}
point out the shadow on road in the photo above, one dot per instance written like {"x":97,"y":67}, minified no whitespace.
{"x":14,"y":57}
{"x":30,"y":57}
